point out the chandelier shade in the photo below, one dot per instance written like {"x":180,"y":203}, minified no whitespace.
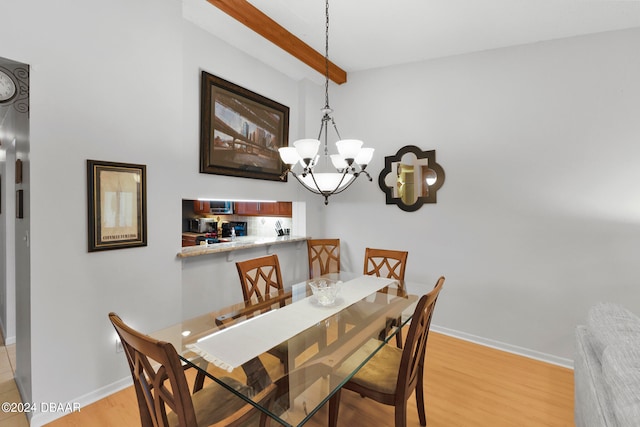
{"x":349,"y":163}
{"x":289,"y":155}
{"x":338,"y":162}
{"x":365,"y":155}
{"x":307,"y":148}
{"x":349,"y":149}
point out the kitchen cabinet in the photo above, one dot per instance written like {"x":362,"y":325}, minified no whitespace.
{"x":285,"y":209}
{"x":254,"y":208}
{"x":200,"y":207}
{"x":263,"y":208}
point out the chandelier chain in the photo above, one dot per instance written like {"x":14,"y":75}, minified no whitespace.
{"x":326,"y":56}
{"x":327,"y":108}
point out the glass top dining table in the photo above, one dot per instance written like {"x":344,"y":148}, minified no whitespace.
{"x":291,"y":343}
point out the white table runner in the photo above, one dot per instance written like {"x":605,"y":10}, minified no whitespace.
{"x":233,"y":346}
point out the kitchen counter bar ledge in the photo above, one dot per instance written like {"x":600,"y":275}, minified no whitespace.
{"x":244,"y":242}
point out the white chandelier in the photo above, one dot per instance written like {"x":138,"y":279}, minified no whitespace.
{"x":349,"y":163}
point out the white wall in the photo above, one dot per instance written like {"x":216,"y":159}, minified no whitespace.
{"x":106,"y":83}
{"x":115,"y":81}
{"x":539,"y":215}
{"x":536,"y":221}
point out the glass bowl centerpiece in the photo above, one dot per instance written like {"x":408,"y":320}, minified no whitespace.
{"x":325,"y":291}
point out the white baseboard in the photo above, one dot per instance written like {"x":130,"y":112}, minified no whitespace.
{"x":7,"y":340}
{"x":41,"y":418}
{"x":509,"y":348}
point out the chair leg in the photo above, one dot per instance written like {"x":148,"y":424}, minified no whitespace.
{"x":334,"y":407}
{"x":199,"y":381}
{"x":395,"y":323}
{"x":342,"y":326}
{"x":422,"y":416}
{"x":257,"y":376}
{"x":322,"y":339}
{"x":265,"y":420}
{"x":401,"y":414}
{"x":399,"y":337}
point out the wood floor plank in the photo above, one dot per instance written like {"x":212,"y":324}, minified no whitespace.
{"x":466,"y":384}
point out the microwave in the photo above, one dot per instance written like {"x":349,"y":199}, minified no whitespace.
{"x":220,"y":207}
{"x":202,"y":225}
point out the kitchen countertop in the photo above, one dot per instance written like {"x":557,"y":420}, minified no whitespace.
{"x":244,"y":242}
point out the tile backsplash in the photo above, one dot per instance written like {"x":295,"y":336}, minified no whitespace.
{"x":265,"y":226}
{"x":261,"y":226}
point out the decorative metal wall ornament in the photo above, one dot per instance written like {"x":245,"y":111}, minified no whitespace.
{"x":411,"y":178}
{"x":20,"y":79}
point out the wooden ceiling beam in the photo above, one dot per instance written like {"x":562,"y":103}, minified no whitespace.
{"x":253,"y":18}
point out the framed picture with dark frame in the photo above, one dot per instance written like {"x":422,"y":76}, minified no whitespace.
{"x":241,"y":131}
{"x":117,"y":205}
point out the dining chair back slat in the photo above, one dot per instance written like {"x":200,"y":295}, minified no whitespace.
{"x":324,"y":256}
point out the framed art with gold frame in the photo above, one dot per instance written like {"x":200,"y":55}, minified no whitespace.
{"x":117,"y":205}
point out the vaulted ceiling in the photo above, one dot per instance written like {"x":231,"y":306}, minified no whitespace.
{"x":379,"y":33}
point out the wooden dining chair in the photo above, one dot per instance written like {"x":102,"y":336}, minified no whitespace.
{"x":324,"y":256}
{"x":390,"y":264}
{"x":160,"y":383}
{"x":392,"y":374}
{"x":385,"y":263}
{"x":259,"y":278}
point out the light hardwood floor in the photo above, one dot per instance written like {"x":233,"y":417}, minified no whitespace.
{"x":466,"y":385}
{"x":8,"y":389}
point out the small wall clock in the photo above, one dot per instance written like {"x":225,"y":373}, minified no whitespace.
{"x":8,"y":89}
